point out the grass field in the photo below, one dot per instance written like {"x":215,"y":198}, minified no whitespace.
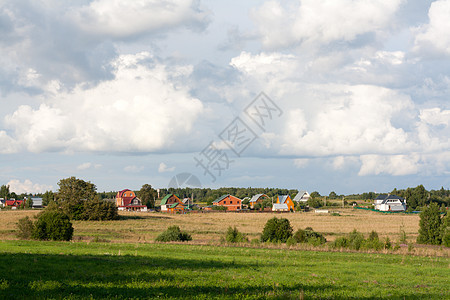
{"x":30,"y":269}
{"x":209,"y":227}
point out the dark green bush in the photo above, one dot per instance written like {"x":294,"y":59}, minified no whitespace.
{"x":277,"y":230}
{"x":174,"y":234}
{"x":445,"y":230}
{"x":355,"y":239}
{"x":26,"y":227}
{"x":53,"y":225}
{"x":219,"y":208}
{"x":430,"y":226}
{"x":234,"y":236}
{"x":309,"y":236}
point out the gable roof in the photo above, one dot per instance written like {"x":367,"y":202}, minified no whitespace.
{"x":283,"y":198}
{"x":381,"y":197}
{"x":300,"y":195}
{"x":221,"y":198}
{"x":393,"y":197}
{"x":257,"y":197}
{"x":164,"y":200}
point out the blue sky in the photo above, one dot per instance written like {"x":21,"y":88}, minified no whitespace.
{"x":124,"y":93}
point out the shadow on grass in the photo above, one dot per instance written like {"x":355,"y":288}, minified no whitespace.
{"x":26,"y":276}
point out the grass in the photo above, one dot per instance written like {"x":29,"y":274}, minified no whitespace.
{"x":209,"y":227}
{"x":33,"y":270}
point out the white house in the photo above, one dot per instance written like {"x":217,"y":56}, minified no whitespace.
{"x":280,"y":207}
{"x":389,"y":203}
{"x":302,"y":196}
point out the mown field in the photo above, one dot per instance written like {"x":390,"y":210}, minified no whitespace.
{"x":75,"y":270}
{"x":209,"y":227}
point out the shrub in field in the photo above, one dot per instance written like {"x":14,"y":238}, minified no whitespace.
{"x":373,"y":242}
{"x":430,"y":226}
{"x":309,"y":236}
{"x":291,"y":241}
{"x":53,"y":225}
{"x":277,"y":230}
{"x":341,"y":242}
{"x":387,"y":243}
{"x":26,"y":227}
{"x":355,"y":239}
{"x":174,"y":234}
{"x":234,"y":236}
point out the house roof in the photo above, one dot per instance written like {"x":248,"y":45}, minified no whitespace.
{"x":221,"y":198}
{"x":393,"y":197}
{"x":299,"y":196}
{"x":280,"y":206}
{"x":175,"y":205}
{"x":257,"y":196}
{"x":282,"y":198}
{"x":164,"y":200}
{"x":123,"y":191}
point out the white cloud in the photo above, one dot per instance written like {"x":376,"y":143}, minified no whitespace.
{"x":144,"y":108}
{"x":88,"y":165}
{"x":434,"y":37}
{"x":133,"y":169}
{"x":121,"y":19}
{"x":27,"y":186}
{"x":311,"y":22}
{"x":396,"y":165}
{"x":164,"y":168}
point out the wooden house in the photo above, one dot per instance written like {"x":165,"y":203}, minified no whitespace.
{"x":258,"y":198}
{"x":176,"y":207}
{"x":230,"y":202}
{"x":285,"y":199}
{"x":168,"y":200}
{"x":127,"y":200}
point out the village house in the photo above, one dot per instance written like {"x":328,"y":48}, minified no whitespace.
{"x":284,"y":203}
{"x":168,"y":200}
{"x":176,"y":207}
{"x":302,"y":196}
{"x":13,"y":203}
{"x":230,"y":202}
{"x":258,"y":198}
{"x":388,"y":202}
{"x":127,"y":200}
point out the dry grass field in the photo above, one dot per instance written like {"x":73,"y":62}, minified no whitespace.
{"x":208,"y":228}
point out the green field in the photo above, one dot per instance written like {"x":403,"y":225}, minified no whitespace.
{"x":31,"y":269}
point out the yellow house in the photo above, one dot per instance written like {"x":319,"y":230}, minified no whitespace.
{"x":286,"y":199}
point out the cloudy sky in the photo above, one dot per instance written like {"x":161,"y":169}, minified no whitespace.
{"x":122,"y":93}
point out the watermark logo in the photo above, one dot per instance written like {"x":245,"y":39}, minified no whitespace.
{"x":184,"y":179}
{"x":237,"y":137}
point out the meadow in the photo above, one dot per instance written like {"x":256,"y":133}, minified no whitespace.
{"x":80,"y":270}
{"x":210,"y":227}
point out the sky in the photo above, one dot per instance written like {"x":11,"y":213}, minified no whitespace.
{"x":332,"y":95}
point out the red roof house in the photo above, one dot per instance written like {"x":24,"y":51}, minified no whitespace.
{"x":127,"y":200}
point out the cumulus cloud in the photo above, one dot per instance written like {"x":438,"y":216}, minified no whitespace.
{"x":164,"y":168}
{"x":88,"y":165}
{"x":122,"y":19}
{"x":27,"y":186}
{"x":433,"y":38}
{"x":315,"y":23}
{"x":144,"y":108}
{"x":393,"y":165}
